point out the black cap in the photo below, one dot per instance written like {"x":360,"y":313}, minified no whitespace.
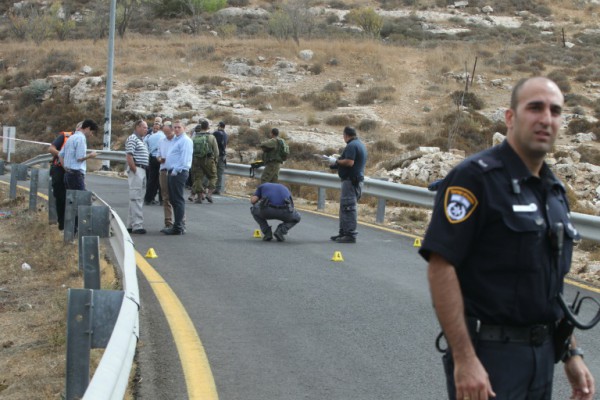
{"x":222,"y":124}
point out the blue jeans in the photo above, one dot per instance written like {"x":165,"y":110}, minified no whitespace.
{"x":75,"y":180}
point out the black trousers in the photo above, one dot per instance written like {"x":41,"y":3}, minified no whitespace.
{"x":288,"y":218}
{"x":60,"y":193}
{"x":152,"y":180}
{"x":176,"y":186}
{"x":517,"y":371}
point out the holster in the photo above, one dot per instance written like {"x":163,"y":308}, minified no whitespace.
{"x":562,"y":339}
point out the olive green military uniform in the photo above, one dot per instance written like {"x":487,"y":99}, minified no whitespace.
{"x":272,"y":160}
{"x":205,"y":166}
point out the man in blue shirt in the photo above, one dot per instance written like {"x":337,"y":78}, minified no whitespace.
{"x":73,"y":156}
{"x":178,"y":164}
{"x":274,"y":201}
{"x":351,"y":170}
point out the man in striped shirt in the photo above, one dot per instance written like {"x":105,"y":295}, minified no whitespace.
{"x":136,"y":154}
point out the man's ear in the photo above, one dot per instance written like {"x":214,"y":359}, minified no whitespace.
{"x":509,"y":116}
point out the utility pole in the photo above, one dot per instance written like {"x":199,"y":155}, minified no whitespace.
{"x":109,"y":82}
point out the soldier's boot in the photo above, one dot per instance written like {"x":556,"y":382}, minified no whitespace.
{"x":209,"y":195}
{"x":267,"y":235}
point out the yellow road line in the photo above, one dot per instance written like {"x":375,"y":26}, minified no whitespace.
{"x":196,"y":369}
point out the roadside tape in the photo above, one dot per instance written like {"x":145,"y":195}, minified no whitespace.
{"x":23,"y":140}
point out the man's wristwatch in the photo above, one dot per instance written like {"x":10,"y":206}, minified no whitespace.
{"x":575,"y":351}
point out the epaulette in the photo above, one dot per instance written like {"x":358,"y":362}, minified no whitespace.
{"x":486,"y":163}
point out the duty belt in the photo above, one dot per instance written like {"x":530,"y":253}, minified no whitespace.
{"x":535,"y":335}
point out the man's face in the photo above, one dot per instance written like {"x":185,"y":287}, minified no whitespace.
{"x":168,"y":131}
{"x":142,"y":129}
{"x":156,"y":127}
{"x":346,"y":138}
{"x":178,"y":128}
{"x":533,"y":127}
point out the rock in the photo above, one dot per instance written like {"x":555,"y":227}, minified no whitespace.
{"x":80,"y":92}
{"x":569,"y":45}
{"x":497,"y":138}
{"x":306,"y":55}
{"x":214,"y":33}
{"x":584,"y":137}
{"x":26,"y":267}
{"x":86,"y":69}
{"x":487,"y":10}
{"x":241,"y":68}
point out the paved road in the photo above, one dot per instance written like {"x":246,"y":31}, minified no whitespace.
{"x":283,"y":321}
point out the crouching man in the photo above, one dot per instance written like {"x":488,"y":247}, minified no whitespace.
{"x":274,"y":201}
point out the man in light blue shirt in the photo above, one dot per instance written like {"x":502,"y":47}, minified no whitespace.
{"x":73,"y":156}
{"x":178,"y":164}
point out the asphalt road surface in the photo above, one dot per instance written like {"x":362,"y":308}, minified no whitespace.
{"x":284,"y":321}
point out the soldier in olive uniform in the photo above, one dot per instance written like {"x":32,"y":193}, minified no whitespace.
{"x":271,"y":157}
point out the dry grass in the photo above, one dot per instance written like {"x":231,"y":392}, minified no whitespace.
{"x":33,"y":303}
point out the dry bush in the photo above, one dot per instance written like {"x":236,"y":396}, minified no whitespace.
{"x":340,"y":120}
{"x":367,"y":125}
{"x":574,"y":99}
{"x":311,"y":119}
{"x":412,"y":140}
{"x":381,"y":150}
{"x":464,"y":131}
{"x":285,"y":99}
{"x":589,"y":154}
{"x":468,"y":99}
{"x":375,"y":93}
{"x":226,"y":116}
{"x":302,"y":151}
{"x":336,"y":86}
{"x":246,"y":138}
{"x":59,"y":61}
{"x":322,"y":100}
{"x":579,"y":125}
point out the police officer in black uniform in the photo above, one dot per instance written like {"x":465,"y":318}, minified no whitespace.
{"x":274,"y":201}
{"x":495,"y":264}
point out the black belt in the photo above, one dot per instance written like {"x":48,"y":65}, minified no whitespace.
{"x":534,"y":335}
{"x":141,"y":166}
{"x":73,"y":171}
{"x":171,"y":170}
{"x":285,"y":206}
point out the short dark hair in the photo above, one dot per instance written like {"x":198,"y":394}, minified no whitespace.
{"x":514,"y":97}
{"x":204,"y":124}
{"x":89,"y":123}
{"x":222,"y":124}
{"x":275,"y":131}
{"x":350,"y":131}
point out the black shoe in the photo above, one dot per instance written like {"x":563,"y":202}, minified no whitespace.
{"x":279,"y":235}
{"x":346,"y":239}
{"x":209,"y":198}
{"x":268,"y":235}
{"x":129,"y":230}
{"x":166,"y":228}
{"x":140,"y":231}
{"x":336,"y":237}
{"x":173,"y":231}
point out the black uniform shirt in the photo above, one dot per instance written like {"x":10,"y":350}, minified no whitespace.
{"x":492,"y":220}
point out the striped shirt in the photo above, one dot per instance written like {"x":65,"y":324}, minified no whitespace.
{"x":136,"y":147}
{"x":75,"y":148}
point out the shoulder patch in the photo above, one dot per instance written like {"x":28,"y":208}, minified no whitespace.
{"x":459,"y":204}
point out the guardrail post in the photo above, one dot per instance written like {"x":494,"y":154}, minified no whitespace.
{"x":14,"y":174}
{"x":52,"y":216}
{"x":1,"y":167}
{"x":93,"y":221}
{"x":33,"y":189}
{"x":90,"y":261}
{"x":380,"y":216}
{"x":321,"y":197}
{"x":91,"y":318}
{"x":74,"y":199}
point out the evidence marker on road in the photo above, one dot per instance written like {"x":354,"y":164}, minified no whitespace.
{"x":337,"y":256}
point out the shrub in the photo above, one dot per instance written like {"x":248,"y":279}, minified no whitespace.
{"x":35,"y":92}
{"x":370,"y":22}
{"x":412,"y":139}
{"x":336,"y":86}
{"x":59,"y":61}
{"x":375,"y":93}
{"x":322,"y":100}
{"x":385,"y":146}
{"x":238,"y":3}
{"x":578,"y":125}
{"x":467,"y":99}
{"x":367,"y":125}
{"x":316,"y":69}
{"x":589,"y":154}
{"x":340,"y":120}
{"x":227,"y":117}
{"x":573,"y":99}
{"x":302,"y":151}
{"x":247,"y":138}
